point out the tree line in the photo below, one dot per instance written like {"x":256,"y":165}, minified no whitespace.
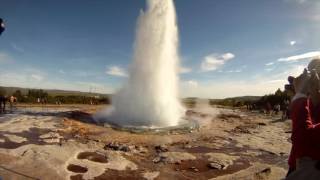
{"x":41,"y":96}
{"x":277,"y":98}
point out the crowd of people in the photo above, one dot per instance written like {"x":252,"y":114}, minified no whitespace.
{"x":304,"y":159}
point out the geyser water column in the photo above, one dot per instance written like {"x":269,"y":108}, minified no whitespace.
{"x":150,"y":97}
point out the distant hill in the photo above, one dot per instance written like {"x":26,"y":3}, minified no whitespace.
{"x":53,"y":92}
{"x":245,"y":98}
{"x":235,"y":99}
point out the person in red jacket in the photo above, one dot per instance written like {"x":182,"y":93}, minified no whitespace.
{"x":305,"y":151}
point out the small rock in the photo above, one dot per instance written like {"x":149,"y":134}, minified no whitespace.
{"x":141,"y":149}
{"x":151,"y":175}
{"x":117,"y":147}
{"x":215,"y":165}
{"x":173,"y":157}
{"x":97,"y":140}
{"x":194,"y":169}
{"x":157,"y":160}
{"x":77,"y":136}
{"x":264,"y":173}
{"x":124,"y":148}
{"x":262,"y":124}
{"x":161,"y":148}
{"x":221,"y":159}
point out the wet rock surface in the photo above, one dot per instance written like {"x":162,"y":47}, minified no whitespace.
{"x":67,"y":145}
{"x":173,"y":157}
{"x":93,"y":156}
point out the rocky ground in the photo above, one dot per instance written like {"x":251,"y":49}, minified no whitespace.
{"x":65,"y":143}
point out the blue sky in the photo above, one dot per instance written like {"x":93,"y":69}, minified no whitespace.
{"x":227,"y":47}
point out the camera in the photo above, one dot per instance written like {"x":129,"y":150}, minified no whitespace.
{"x":1,"y":26}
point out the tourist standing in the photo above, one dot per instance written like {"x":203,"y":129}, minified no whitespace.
{"x":304,"y":159}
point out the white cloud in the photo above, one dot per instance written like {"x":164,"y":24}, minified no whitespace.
{"x":269,"y":69}
{"x":258,"y":86}
{"x":61,"y":71}
{"x":231,"y":88}
{"x":277,"y":81}
{"x":314,"y":17}
{"x":116,"y":71}
{"x":37,"y":77}
{"x":307,"y":55}
{"x":213,"y":61}
{"x":301,"y":1}
{"x":270,"y":64}
{"x":234,"y":71}
{"x":34,"y":79}
{"x":228,"y":56}
{"x":184,"y":70}
{"x":292,"y":43}
{"x":4,"y":57}
{"x":192,"y":83}
{"x":292,"y":71}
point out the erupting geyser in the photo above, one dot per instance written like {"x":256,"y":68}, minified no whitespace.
{"x":150,"y":97}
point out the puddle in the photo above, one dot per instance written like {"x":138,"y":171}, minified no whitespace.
{"x":76,"y":177}
{"x":200,"y":168}
{"x":76,"y":168}
{"x":93,"y":156}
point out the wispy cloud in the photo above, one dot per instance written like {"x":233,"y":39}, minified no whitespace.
{"x":16,"y":47}
{"x":61,"y":71}
{"x":28,"y":77}
{"x":276,"y":81}
{"x":292,"y":43}
{"x":307,"y":55}
{"x":234,"y":71}
{"x":37,"y":77}
{"x":270,"y":64}
{"x":300,"y":1}
{"x":269,"y":69}
{"x":213,"y":61}
{"x":184,"y":70}
{"x":116,"y":71}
